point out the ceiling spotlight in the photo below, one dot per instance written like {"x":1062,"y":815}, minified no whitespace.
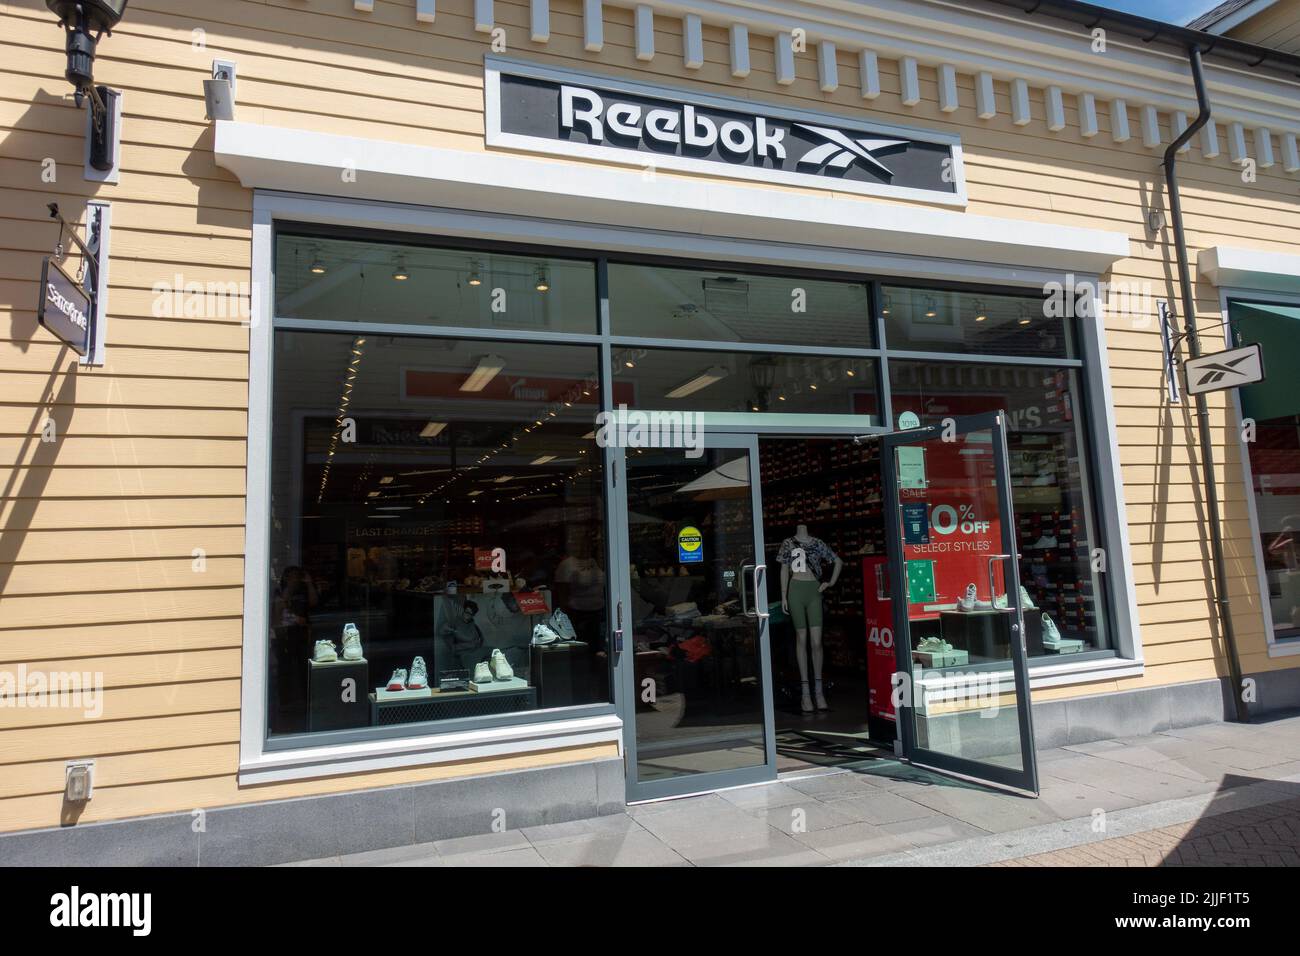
{"x":542,"y":283}
{"x":930,"y":310}
{"x":981,"y":314}
{"x":317,"y":267}
{"x":474,"y":277}
{"x":888,"y":303}
{"x":399,"y":270}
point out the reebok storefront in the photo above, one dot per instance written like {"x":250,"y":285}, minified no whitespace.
{"x":667,"y":426}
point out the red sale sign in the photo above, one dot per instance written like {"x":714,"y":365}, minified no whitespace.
{"x":959,"y":528}
{"x":878,"y":610}
{"x":531,"y":602}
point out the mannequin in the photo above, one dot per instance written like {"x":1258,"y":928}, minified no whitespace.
{"x":802,"y":559}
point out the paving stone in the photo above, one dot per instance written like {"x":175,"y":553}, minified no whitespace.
{"x":853,"y":841}
{"x":631,"y":848}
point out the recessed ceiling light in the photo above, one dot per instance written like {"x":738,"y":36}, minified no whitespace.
{"x":432,"y":430}
{"x":489,"y":367}
{"x":542,"y":460}
{"x":706,"y":378}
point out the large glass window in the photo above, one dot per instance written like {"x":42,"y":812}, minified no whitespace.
{"x":1274,"y":406}
{"x":1063,"y":601}
{"x":971,"y":322}
{"x":437,"y":531}
{"x":676,"y":379}
{"x":356,"y":280}
{"x":717,"y":306}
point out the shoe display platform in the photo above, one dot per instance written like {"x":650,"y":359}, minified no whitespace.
{"x":497,"y":686}
{"x":327,"y":708}
{"x":382,"y":694}
{"x":449,"y":704}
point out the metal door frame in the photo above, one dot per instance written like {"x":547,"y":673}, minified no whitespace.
{"x":622,"y":649}
{"x":1027,"y":778}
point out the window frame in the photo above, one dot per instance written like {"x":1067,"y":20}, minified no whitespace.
{"x":265,"y":759}
{"x":1274,"y":645}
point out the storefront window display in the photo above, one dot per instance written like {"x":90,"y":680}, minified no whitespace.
{"x":1273,"y":406}
{"x":437,"y":533}
{"x":1060,"y":564}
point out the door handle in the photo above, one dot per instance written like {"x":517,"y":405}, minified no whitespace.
{"x":744,"y":595}
{"x":993,"y":591}
{"x":760,"y":597}
{"x":618,"y":628}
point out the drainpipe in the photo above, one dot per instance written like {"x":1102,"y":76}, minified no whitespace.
{"x":1202,"y":412}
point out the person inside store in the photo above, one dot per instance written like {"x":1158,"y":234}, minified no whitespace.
{"x":295,"y":597}
{"x":803,"y":560}
{"x":580,"y":588}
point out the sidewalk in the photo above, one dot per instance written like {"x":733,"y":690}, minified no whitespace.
{"x":1219,"y":793}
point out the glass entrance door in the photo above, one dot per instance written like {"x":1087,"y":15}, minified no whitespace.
{"x":958,"y":621}
{"x":690,"y":624}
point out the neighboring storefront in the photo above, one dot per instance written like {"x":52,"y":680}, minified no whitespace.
{"x":462,"y":399}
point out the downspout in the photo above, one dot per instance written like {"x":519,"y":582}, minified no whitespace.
{"x":1202,"y":411}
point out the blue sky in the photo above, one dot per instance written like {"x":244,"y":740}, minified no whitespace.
{"x":1174,"y":11}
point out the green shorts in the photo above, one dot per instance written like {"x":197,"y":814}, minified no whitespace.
{"x":805,"y":600}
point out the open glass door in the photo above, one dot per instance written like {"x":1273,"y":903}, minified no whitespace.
{"x":691,"y":620}
{"x":958,"y":624}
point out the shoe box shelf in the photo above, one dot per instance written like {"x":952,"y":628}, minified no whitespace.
{"x":834,"y":487}
{"x":1051,"y":529}
{"x":446,"y":705}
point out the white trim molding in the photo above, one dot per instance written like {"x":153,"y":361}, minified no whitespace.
{"x":1253,"y":269}
{"x":277,"y":766}
{"x":266,"y":157}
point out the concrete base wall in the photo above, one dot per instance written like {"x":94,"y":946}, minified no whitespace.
{"x":283,"y":831}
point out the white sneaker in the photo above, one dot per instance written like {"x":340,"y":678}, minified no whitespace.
{"x":1050,"y":634}
{"x":500,"y":666}
{"x":542,"y":634}
{"x":351,"y":643}
{"x":967,"y":601}
{"x":324,"y":652}
{"x":419,"y":678}
{"x":397,"y":681}
{"x":562,"y":626}
{"x":482,"y":673}
{"x":1026,"y":602}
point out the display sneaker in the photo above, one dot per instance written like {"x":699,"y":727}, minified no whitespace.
{"x":1050,"y":634}
{"x":1026,"y":602}
{"x":324,"y":652}
{"x":482,"y":673}
{"x":562,"y":626}
{"x":419,"y":677}
{"x":351,"y":643}
{"x":967,"y":601}
{"x":543,"y":634}
{"x":500,"y":666}
{"x":398,"y":680}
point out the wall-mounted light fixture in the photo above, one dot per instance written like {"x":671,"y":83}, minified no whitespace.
{"x":219,"y":92}
{"x":399,"y":270}
{"x":543,"y":284}
{"x":84,"y":22}
{"x":475,"y":276}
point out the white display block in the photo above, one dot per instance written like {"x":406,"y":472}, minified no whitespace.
{"x":514,"y":683}
{"x":381,"y":694}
